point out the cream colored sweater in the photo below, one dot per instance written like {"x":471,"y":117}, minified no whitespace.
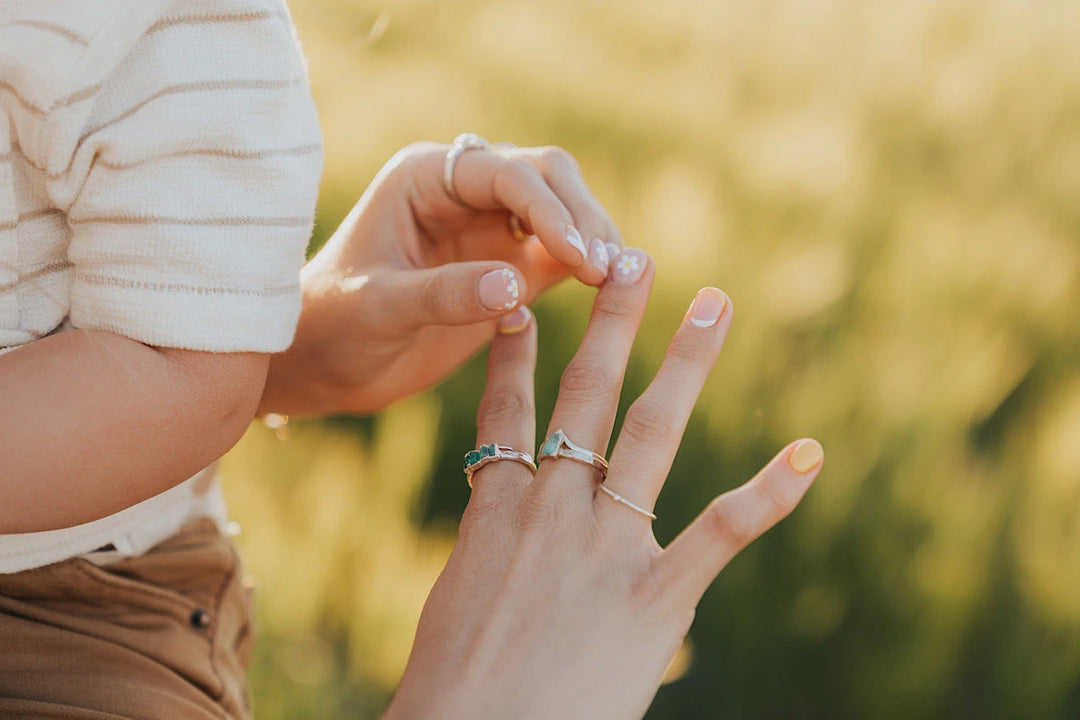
{"x":159,"y":164}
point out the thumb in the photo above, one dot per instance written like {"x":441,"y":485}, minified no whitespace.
{"x":455,"y":294}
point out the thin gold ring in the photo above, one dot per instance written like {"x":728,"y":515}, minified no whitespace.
{"x":620,"y":499}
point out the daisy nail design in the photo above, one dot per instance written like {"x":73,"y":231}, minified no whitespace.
{"x":499,"y":290}
{"x":628,"y":266}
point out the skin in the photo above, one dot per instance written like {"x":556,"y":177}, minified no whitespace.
{"x":391,"y":303}
{"x":105,"y":422}
{"x":557,"y":601}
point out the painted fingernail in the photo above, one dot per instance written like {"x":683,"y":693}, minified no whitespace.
{"x":598,"y":256}
{"x":628,"y":267}
{"x":806,"y":456}
{"x":515,"y":322}
{"x":499,"y":289}
{"x":612,"y":251}
{"x":574,"y":238}
{"x":707,"y":307}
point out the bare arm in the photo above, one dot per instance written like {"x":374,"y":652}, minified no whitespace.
{"x":92,"y":422}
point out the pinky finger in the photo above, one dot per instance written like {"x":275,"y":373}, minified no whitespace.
{"x":734,"y":520}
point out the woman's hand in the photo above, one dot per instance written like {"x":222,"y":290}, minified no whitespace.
{"x":411,"y":284}
{"x":557,"y":601}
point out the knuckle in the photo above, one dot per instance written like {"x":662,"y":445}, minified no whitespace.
{"x":727,"y":526}
{"x":648,"y":422}
{"x":587,"y":379}
{"x":774,"y":506}
{"x":690,"y":347}
{"x":513,"y":171}
{"x":412,"y":154}
{"x":558,"y":160}
{"x":504,"y":405}
{"x":432,"y":297}
{"x":612,"y":305}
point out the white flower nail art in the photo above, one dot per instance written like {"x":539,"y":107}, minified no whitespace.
{"x":627,"y":263}
{"x":511,"y":288}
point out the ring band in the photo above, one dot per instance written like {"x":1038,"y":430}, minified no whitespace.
{"x":620,"y":499}
{"x":558,"y":445}
{"x":476,"y":459}
{"x":518,"y":231}
{"x":463,"y":142}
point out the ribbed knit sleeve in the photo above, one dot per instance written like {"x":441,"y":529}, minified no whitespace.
{"x":186,"y":156}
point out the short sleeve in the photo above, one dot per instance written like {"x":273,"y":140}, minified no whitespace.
{"x":191,"y":182}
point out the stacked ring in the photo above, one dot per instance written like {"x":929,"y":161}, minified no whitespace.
{"x":476,"y":459}
{"x":558,"y":445}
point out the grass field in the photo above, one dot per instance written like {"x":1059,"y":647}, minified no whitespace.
{"x":888,"y":191}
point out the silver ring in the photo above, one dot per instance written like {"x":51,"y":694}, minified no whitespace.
{"x":463,"y":142}
{"x":476,"y":459}
{"x":620,"y":499}
{"x":558,"y":445}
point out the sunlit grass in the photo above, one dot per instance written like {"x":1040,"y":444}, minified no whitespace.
{"x":888,"y":193}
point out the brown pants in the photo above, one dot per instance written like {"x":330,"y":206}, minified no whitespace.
{"x":164,"y":635}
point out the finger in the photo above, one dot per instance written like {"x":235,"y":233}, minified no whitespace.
{"x":589,"y":390}
{"x":563,"y":175}
{"x":654,"y":424}
{"x":490,"y":180}
{"x":735,"y":519}
{"x":507,"y":414}
{"x":455,"y":294}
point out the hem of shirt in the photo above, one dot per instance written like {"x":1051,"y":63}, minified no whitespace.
{"x":132,"y":531}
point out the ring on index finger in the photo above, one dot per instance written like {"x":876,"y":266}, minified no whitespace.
{"x":462,"y":143}
{"x":476,"y":459}
{"x":558,"y":445}
{"x":518,"y":231}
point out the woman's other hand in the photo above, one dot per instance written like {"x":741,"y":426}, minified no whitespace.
{"x":411,"y":284}
{"x":557,"y":601}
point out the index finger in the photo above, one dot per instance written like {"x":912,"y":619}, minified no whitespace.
{"x":507,"y":415}
{"x":488,"y":180}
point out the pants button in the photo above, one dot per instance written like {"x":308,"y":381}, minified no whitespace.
{"x":200,"y":619}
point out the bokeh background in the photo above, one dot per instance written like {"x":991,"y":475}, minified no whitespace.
{"x":889,"y":193}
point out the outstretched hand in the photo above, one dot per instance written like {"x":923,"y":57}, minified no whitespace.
{"x":411,"y":284}
{"x":557,"y":601}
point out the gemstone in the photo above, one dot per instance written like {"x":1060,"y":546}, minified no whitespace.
{"x":487,"y":451}
{"x":551,"y":445}
{"x":471,"y":458}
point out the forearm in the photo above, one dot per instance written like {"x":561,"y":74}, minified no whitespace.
{"x":93,"y":422}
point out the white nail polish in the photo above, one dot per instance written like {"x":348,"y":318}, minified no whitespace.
{"x":574,"y":238}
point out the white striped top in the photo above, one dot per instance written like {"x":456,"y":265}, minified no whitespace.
{"x":159,"y":165}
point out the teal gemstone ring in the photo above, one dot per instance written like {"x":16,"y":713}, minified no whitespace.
{"x":478,"y":458}
{"x":558,"y":445}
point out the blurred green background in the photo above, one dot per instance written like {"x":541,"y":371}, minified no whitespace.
{"x":889,"y":193}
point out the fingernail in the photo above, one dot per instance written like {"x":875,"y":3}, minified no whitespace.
{"x":598,"y":255}
{"x":612,"y":251}
{"x":499,"y":289}
{"x":707,"y":307}
{"x":574,"y":238}
{"x":806,"y":456}
{"x":628,"y":267}
{"x":515,"y":322}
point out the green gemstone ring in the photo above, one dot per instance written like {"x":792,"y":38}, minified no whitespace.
{"x":478,"y":458}
{"x":558,"y":445}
